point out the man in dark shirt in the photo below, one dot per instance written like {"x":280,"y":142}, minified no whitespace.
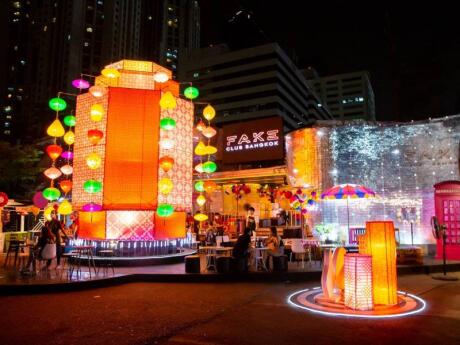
{"x":240,"y":250}
{"x":56,"y":229}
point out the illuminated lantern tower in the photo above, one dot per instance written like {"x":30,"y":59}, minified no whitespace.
{"x":128,"y":125}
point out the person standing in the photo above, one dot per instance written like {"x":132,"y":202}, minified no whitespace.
{"x":57,"y":230}
{"x":251,"y":220}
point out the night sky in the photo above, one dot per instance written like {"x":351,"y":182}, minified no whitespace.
{"x":412,"y":54}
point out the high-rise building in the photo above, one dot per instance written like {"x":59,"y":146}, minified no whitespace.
{"x":348,"y":96}
{"x":253,"y":83}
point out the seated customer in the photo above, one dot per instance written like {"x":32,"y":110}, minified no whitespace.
{"x":274,"y":244}
{"x":46,"y":236}
{"x":240,"y":250}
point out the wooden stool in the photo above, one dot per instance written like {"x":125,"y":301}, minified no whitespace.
{"x":223,"y":264}
{"x":280,"y":263}
{"x":192,"y":264}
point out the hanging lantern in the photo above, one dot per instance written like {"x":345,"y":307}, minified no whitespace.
{"x":199,"y":186}
{"x":80,"y":84}
{"x":209,"y":167}
{"x":167,"y":101}
{"x":91,"y":207}
{"x":66,"y":186}
{"x":97,"y":91}
{"x":93,"y":160}
{"x":47,"y":213}
{"x":167,"y":123}
{"x":191,"y":92}
{"x":53,"y":151}
{"x":92,"y":186}
{"x":201,"y":200}
{"x":97,"y":111}
{"x":70,"y":120}
{"x":165,"y":210}
{"x":57,"y":104}
{"x":67,"y":155}
{"x":161,"y":77}
{"x":200,"y":149}
{"x":209,"y":112}
{"x":69,"y":137}
{"x":209,"y":186}
{"x":166,"y":143}
{"x":51,"y":193}
{"x":200,"y":217}
{"x":166,"y":163}
{"x":165,"y":186}
{"x":65,"y":208}
{"x":39,"y":200}
{"x":199,"y":168}
{"x":111,"y":73}
{"x":52,"y":173}
{"x":67,"y":169}
{"x":210,"y":150}
{"x":95,"y":136}
{"x":200,"y":126}
{"x":209,"y":132}
{"x":55,"y":129}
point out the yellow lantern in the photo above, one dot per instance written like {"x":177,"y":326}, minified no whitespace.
{"x":97,"y":111}
{"x":209,"y":112}
{"x":111,"y":73}
{"x":56,"y":129}
{"x":93,"y":160}
{"x":69,"y":137}
{"x":200,"y":217}
{"x":210,"y":150}
{"x":165,"y":186}
{"x":199,"y":168}
{"x":47,"y":212}
{"x":201,"y":200}
{"x":200,"y":149}
{"x":167,"y":101}
{"x":65,"y":208}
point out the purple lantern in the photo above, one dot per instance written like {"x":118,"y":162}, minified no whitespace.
{"x":92,"y":207}
{"x":67,"y":155}
{"x":39,"y":200}
{"x":80,"y":84}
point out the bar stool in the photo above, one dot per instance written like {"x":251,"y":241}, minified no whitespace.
{"x":106,"y":261}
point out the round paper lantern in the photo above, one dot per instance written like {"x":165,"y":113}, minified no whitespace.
{"x":200,"y":125}
{"x":65,"y":208}
{"x":161,"y":77}
{"x":200,"y":149}
{"x":209,"y":132}
{"x":199,"y":186}
{"x":70,"y":120}
{"x":67,"y":169}
{"x":191,"y":92}
{"x":52,"y":173}
{"x":166,"y":163}
{"x":66,"y":186}
{"x":201,"y":217}
{"x":209,"y":167}
{"x":57,"y":104}
{"x":165,"y":210}
{"x":97,"y":91}
{"x":209,"y":112}
{"x":69,"y":137}
{"x":167,"y":101}
{"x":111,"y":73}
{"x":97,"y":111}
{"x":165,"y":186}
{"x":55,"y":129}
{"x":3,"y":199}
{"x":92,"y":186}
{"x":39,"y":200}
{"x":93,"y":160}
{"x":35,"y":210}
{"x":167,"y":143}
{"x":210,"y":186}
{"x":80,"y":84}
{"x":167,"y":123}
{"x":53,"y":151}
{"x":91,"y":207}
{"x":210,"y":150}
{"x":201,"y":200}
{"x":47,"y":212}
{"x":67,"y":155}
{"x":95,"y":136}
{"x":51,"y":193}
{"x":199,"y":168}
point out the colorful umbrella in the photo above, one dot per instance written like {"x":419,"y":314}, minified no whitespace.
{"x":347,"y":191}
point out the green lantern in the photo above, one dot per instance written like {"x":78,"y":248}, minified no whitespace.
{"x":57,"y":104}
{"x":92,"y":186}
{"x":165,"y":210}
{"x":191,"y":92}
{"x":51,"y":193}
{"x":199,"y":186}
{"x":167,"y":123}
{"x":209,"y":167}
{"x":70,"y":120}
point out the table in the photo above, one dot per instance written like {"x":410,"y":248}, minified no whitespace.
{"x":259,"y":255}
{"x":211,"y":251}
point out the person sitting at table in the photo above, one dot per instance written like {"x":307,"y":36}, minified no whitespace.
{"x":274,"y":244}
{"x":241,"y":248}
{"x":57,"y":229}
{"x":218,"y":224}
{"x":45,"y":237}
{"x":210,"y":237}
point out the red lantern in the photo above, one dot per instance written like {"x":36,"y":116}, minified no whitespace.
{"x":166,"y":163}
{"x":288,"y":194}
{"x":66,"y":186}
{"x":200,"y":126}
{"x":53,"y":151}
{"x":3,"y":199}
{"x":94,"y":136}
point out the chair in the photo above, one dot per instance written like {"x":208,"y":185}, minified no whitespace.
{"x":298,"y":248}
{"x":223,"y":264}
{"x":192,"y":264}
{"x":107,"y":261}
{"x":14,"y":247}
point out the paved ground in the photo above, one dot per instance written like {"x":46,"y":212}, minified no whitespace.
{"x":240,"y":313}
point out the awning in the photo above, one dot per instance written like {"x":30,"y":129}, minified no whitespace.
{"x":276,"y":175}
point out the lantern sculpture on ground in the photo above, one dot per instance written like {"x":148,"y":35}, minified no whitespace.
{"x":358,"y":282}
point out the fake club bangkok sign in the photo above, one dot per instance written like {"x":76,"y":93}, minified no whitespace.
{"x":256,"y":140}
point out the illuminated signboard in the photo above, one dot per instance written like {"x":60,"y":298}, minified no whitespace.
{"x":256,"y":140}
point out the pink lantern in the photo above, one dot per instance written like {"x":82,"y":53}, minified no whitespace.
{"x":92,"y":207}
{"x":80,"y":84}
{"x":67,"y":155}
{"x":39,"y":200}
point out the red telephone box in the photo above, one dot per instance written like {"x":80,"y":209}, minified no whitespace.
{"x":447,"y":206}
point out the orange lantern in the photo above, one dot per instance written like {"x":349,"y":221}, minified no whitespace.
{"x":166,"y":163}
{"x":53,"y":151}
{"x":200,"y":126}
{"x":358,"y":282}
{"x":94,"y":136}
{"x":66,"y":186}
{"x":209,"y":186}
